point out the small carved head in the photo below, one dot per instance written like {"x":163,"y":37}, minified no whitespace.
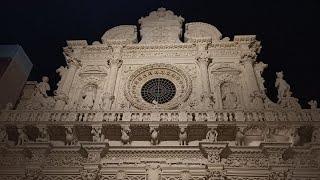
{"x":45,"y":79}
{"x":279,"y":74}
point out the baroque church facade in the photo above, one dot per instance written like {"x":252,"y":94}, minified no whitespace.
{"x":168,"y":101}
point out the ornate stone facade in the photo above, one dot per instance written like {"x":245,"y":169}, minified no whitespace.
{"x":170,"y":106}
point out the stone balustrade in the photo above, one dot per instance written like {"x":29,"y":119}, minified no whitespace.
{"x":304,"y":115}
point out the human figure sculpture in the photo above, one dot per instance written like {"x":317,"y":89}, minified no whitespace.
{"x":229,"y":98}
{"x":43,"y":87}
{"x":183,"y":136}
{"x":315,"y":136}
{"x":212,"y":135}
{"x":88,"y":98}
{"x":313,"y":104}
{"x":125,"y":137}
{"x":256,"y":99}
{"x":43,"y":135}
{"x":3,"y":135}
{"x":294,"y":137}
{"x":259,"y":68}
{"x":240,"y":137}
{"x":153,"y":172}
{"x":22,"y":138}
{"x":97,"y":135}
{"x":154,"y":136}
{"x":62,"y":71}
{"x":282,"y":86}
{"x":9,"y":106}
{"x":70,"y":137}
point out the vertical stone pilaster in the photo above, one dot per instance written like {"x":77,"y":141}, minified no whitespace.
{"x":247,"y":60}
{"x":203,"y":60}
{"x":115,"y":63}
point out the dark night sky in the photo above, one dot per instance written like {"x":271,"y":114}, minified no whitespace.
{"x":288,"y":31}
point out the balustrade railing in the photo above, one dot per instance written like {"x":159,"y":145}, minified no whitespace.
{"x":304,"y":115}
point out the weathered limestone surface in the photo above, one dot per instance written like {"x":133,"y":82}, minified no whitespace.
{"x":214,"y":122}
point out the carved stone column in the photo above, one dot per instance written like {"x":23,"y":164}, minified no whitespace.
{"x":203,"y":60}
{"x":115,"y":63}
{"x":63,"y":90}
{"x":247,"y":59}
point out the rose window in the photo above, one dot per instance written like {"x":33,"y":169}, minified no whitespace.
{"x":158,"y":91}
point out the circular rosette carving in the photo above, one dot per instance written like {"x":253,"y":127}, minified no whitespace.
{"x":140,"y":77}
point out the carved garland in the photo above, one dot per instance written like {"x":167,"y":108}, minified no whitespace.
{"x":166,"y":71}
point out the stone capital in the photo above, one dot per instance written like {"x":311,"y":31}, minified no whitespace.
{"x":115,"y":62}
{"x":74,"y":62}
{"x":248,"y":57}
{"x":203,"y":60}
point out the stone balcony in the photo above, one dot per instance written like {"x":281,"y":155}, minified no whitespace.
{"x":242,"y":127}
{"x":159,"y":117}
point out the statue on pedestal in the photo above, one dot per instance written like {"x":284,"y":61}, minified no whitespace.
{"x":22,"y":137}
{"x":71,"y":138}
{"x":43,"y":135}
{"x":315,"y":135}
{"x":313,"y":104}
{"x":125,"y":137}
{"x":183,"y":136}
{"x":62,"y":71}
{"x":42,"y":88}
{"x":282,"y":86}
{"x":154,"y":136}
{"x":3,"y":135}
{"x":212,"y":135}
{"x":98,"y":136}
{"x":88,"y":98}
{"x":229,"y":98}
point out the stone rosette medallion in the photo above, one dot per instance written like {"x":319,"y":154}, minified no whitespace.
{"x":144,"y":74}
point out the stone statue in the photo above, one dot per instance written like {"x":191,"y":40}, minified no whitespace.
{"x":315,"y":136}
{"x":71,"y":138}
{"x":294,"y":137}
{"x":62,"y":71}
{"x":43,"y":87}
{"x":43,"y":135}
{"x":9,"y":106}
{"x":229,"y":98}
{"x":282,"y":86}
{"x":97,"y":135}
{"x":153,"y":172}
{"x":88,"y":98}
{"x":22,"y":137}
{"x":212,"y":135}
{"x":183,"y":136}
{"x":259,"y":68}
{"x":154,"y":136}
{"x":125,"y":135}
{"x":3,"y":135}
{"x":313,"y":104}
{"x":256,"y":99}
{"x":240,"y":137}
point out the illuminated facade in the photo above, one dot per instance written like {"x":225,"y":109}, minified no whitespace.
{"x":160,"y":104}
